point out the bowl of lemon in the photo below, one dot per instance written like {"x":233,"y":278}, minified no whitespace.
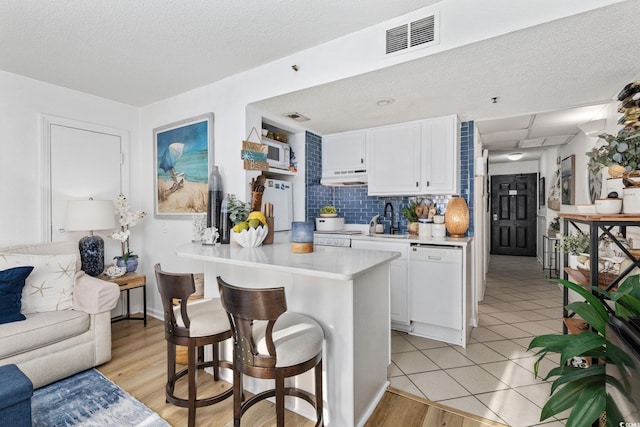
{"x":252,"y":232}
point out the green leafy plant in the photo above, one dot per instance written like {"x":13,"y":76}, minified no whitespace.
{"x":409,"y":211}
{"x":583,"y":389}
{"x":575,"y":243}
{"x":555,"y":224}
{"x":328,"y":210}
{"x":621,"y":149}
{"x":238,"y":210}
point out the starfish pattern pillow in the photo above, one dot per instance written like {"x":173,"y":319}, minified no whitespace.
{"x":49,"y":286}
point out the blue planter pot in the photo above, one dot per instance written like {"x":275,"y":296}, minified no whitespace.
{"x":131,"y":264}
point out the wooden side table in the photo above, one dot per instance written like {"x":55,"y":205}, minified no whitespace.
{"x":127,"y":282}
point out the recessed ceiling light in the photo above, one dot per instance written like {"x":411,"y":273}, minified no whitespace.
{"x":385,"y":102}
{"x":515,"y":156}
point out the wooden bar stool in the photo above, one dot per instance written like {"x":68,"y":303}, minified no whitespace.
{"x":271,"y":343}
{"x":194,"y":325}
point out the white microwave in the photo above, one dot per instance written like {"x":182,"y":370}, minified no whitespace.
{"x":278,"y":154}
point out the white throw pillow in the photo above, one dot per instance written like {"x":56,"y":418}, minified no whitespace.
{"x":49,"y":286}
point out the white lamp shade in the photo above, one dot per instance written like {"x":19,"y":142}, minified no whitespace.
{"x":89,"y":215}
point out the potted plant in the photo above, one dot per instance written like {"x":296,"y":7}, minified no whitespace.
{"x":554,"y":227}
{"x":412,"y":212}
{"x":238,"y":210}
{"x":128,"y":219}
{"x":574,"y":245}
{"x":582,"y":389}
{"x":622,"y":149}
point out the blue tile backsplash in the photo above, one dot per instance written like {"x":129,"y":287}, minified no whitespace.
{"x":353,"y":203}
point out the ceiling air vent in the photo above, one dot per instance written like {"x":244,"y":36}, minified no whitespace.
{"x":422,"y":31}
{"x":397,"y":39}
{"x":419,"y":33}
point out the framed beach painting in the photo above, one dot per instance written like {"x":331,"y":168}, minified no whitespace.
{"x":568,"y":180}
{"x":182,"y":154}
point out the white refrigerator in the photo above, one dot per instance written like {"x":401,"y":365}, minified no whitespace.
{"x":280,"y":194}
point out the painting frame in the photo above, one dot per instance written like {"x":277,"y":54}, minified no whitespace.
{"x":183,"y":153}
{"x":542,"y":193}
{"x":568,"y":187}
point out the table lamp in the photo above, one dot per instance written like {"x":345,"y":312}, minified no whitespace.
{"x":90,"y":215}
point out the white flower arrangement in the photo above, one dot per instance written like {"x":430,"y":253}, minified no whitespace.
{"x":127,"y":219}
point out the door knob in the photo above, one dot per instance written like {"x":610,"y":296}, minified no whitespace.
{"x":495,"y":217}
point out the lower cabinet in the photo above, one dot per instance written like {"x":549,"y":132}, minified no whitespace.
{"x":399,"y":297}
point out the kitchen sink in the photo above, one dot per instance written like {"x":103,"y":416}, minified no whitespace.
{"x":391,"y":236}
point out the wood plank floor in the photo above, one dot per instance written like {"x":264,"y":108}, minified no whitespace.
{"x":138,"y":365}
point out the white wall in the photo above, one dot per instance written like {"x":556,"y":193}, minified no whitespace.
{"x":512,"y":168}
{"x":21,"y":103}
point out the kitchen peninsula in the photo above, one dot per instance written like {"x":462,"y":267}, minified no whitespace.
{"x":345,"y":290}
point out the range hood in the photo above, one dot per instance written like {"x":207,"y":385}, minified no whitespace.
{"x":345,"y":177}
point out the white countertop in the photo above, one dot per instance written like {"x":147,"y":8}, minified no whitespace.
{"x":412,"y":239}
{"x":328,"y":262}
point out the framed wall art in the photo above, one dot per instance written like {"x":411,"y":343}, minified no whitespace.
{"x":182,"y":152}
{"x":542,"y":194}
{"x":568,"y":180}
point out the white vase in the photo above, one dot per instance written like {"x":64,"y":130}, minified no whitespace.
{"x":573,"y":261}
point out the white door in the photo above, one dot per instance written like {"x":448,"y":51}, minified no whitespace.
{"x":81,"y":161}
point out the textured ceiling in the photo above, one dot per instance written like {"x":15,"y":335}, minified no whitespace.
{"x":139,"y":52}
{"x":573,"y":62}
{"x":142,"y":51}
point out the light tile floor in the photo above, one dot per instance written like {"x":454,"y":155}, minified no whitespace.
{"x":493,"y":376}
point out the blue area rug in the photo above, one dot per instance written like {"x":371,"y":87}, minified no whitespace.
{"x":89,"y":399}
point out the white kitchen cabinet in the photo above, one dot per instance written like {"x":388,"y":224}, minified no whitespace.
{"x":399,"y":271}
{"x":345,"y":151}
{"x":414,"y":158}
{"x":440,"y":155}
{"x":394,"y":159}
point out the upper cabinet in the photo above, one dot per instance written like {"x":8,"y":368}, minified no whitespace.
{"x":344,"y":158}
{"x":394,"y":159}
{"x":440,"y":152}
{"x":414,"y":158}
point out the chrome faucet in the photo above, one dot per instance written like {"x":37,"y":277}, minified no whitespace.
{"x":392,"y":229}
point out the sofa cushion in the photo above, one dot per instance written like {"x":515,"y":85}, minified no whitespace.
{"x":64,"y":247}
{"x":12,"y":281}
{"x":41,"y":329}
{"x":49,"y":286}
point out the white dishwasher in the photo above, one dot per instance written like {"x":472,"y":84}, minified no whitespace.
{"x":436,"y":294}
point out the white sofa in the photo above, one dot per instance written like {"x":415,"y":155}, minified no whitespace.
{"x":51,"y":345}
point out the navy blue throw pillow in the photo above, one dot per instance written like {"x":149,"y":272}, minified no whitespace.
{"x":11,"y":283}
